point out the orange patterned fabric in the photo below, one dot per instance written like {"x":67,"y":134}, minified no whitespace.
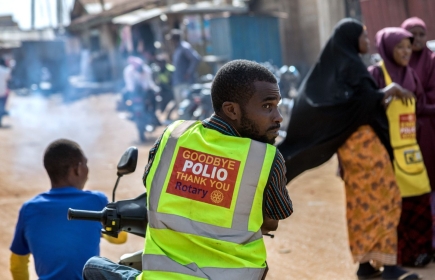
{"x":373,"y":198}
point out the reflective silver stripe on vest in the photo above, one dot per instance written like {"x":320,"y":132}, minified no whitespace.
{"x":184,"y":225}
{"x":163,"y":263}
{"x":248,"y":185}
{"x":164,"y":163}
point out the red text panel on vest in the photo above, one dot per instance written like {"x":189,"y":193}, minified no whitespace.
{"x":204,"y":177}
{"x":407,"y":126}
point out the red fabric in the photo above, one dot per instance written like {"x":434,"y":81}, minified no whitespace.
{"x":432,"y":204}
{"x":414,"y":231}
{"x":424,"y":64}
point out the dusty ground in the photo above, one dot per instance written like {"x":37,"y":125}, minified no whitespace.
{"x":312,"y":244}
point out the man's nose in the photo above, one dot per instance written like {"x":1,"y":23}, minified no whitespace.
{"x":277,"y":117}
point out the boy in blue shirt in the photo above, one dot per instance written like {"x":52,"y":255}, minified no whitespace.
{"x":60,"y":247}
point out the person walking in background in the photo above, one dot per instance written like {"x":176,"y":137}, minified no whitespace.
{"x":415,"y":227}
{"x":423,"y":62}
{"x":185,"y":60}
{"x":138,"y":74}
{"x":5,"y":75}
{"x":60,"y":248}
{"x":163,"y":78}
{"x":340,"y":108}
{"x":141,"y":88}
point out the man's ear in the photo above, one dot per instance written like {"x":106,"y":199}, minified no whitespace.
{"x":231,"y":110}
{"x":75,"y":169}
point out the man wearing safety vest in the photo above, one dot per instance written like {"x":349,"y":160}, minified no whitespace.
{"x":214,"y":187}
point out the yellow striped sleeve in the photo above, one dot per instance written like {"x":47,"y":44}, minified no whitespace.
{"x":20,"y":266}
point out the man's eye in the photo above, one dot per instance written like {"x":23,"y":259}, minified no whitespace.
{"x":266,"y":106}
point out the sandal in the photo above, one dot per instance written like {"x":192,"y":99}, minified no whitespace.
{"x":422,"y":260}
{"x":375,"y":274}
{"x":406,"y":276}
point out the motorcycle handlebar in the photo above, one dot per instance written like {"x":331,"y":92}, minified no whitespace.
{"x":74,"y":214}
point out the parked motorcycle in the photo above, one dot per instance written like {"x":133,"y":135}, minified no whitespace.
{"x":288,"y":78}
{"x":285,"y":107}
{"x":197,"y":105}
{"x":289,"y":81}
{"x":3,"y":111}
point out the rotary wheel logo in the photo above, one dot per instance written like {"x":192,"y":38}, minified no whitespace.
{"x":217,"y":197}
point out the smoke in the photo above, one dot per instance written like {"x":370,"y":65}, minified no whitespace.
{"x":37,"y":121}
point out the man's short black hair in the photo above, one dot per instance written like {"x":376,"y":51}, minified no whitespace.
{"x":234,"y":82}
{"x":175,"y":35}
{"x":59,"y":156}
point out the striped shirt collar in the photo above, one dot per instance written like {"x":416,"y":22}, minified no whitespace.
{"x":217,"y":123}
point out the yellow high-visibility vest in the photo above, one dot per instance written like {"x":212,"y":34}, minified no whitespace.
{"x":409,"y":168}
{"x":205,"y":205}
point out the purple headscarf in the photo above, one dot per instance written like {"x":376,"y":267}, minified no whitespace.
{"x":423,"y":61}
{"x":413,"y":22}
{"x":386,"y":40}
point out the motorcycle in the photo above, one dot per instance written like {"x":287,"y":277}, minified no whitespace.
{"x":124,"y":215}
{"x":197,"y":105}
{"x":3,"y":111}
{"x":285,"y":107}
{"x":140,"y":107}
{"x":288,"y":78}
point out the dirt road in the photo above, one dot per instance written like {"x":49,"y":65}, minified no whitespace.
{"x":311,"y":244}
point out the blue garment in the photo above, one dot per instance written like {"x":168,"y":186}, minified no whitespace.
{"x":59,"y":247}
{"x":185,"y":59}
{"x":98,"y":268}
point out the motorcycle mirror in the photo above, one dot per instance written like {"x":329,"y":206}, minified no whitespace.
{"x":127,"y":163}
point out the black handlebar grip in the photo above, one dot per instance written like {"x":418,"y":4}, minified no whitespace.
{"x":74,"y":214}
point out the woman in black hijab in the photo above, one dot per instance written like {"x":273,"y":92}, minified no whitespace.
{"x":341,"y":109}
{"x":337,"y":96}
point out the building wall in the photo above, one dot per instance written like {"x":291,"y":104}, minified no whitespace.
{"x":108,"y":43}
{"x":290,"y":34}
{"x":329,"y":13}
{"x":377,"y":14}
{"x":309,"y":30}
{"x":306,"y":27}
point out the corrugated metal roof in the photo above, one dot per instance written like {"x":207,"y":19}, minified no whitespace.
{"x":202,"y":7}
{"x":135,"y":11}
{"x":87,"y":21}
{"x":113,"y":2}
{"x":11,"y":37}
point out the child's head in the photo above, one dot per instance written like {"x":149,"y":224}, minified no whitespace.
{"x":394,"y":45}
{"x":402,"y":52}
{"x":66,"y":164}
{"x":417,"y":27}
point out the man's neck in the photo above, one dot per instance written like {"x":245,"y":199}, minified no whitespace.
{"x":58,"y":185}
